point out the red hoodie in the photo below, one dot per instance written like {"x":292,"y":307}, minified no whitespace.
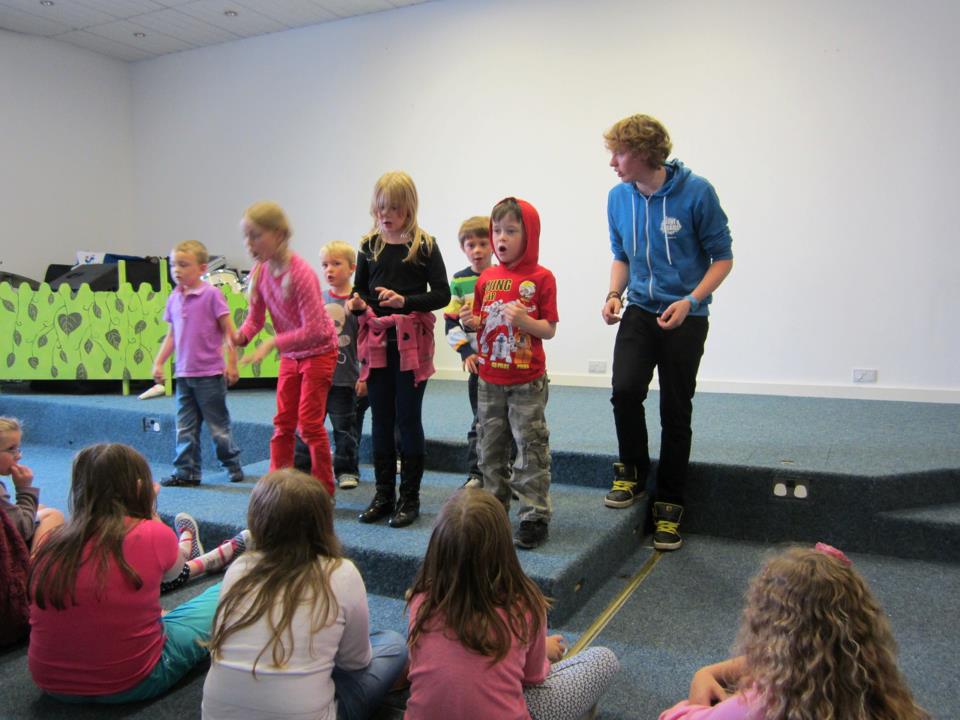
{"x":507,"y":355}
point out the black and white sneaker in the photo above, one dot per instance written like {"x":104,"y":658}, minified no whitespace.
{"x":531,"y":534}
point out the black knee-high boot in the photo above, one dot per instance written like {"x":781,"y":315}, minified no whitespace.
{"x":384,"y":499}
{"x":408,"y":509}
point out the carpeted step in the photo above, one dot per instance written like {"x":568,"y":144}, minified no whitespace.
{"x":926,"y":532}
{"x":587,"y":540}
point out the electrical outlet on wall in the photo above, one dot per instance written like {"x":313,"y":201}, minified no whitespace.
{"x":864,"y":375}
{"x":596,"y":367}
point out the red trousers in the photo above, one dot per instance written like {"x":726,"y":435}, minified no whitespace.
{"x":302,"y":389}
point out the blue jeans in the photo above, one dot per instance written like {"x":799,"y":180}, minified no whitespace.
{"x":199,"y":399}
{"x":360,"y":692}
{"x":185,"y":628}
{"x":342,"y":411}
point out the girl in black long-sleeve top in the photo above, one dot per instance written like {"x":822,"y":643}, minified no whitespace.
{"x":399,"y":272}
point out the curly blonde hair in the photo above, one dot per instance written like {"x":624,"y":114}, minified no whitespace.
{"x":818,"y":646}
{"x":641,"y":135}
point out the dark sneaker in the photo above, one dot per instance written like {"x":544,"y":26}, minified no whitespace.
{"x":380,"y":507}
{"x":407,"y":511}
{"x":237,"y":476}
{"x":347,"y":481}
{"x":531,"y":534}
{"x":184,"y":522}
{"x":626,"y":490}
{"x":666,"y":526}
{"x":473,"y":481}
{"x":177,"y":481}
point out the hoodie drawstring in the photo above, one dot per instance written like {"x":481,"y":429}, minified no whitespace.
{"x":666,"y":234}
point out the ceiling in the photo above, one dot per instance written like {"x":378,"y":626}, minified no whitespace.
{"x":141,"y":29}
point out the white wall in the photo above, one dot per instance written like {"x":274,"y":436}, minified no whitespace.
{"x":66,"y":154}
{"x":827,"y":128}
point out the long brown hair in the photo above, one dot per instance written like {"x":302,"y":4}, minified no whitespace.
{"x":290,"y":518}
{"x":818,"y":646}
{"x":110,"y":483}
{"x":471,"y":572}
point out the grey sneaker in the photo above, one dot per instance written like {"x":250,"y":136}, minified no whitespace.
{"x":347,"y":481}
{"x":184,"y":521}
{"x":531,"y":534}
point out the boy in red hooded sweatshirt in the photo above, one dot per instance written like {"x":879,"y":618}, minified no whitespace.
{"x":517,"y":305}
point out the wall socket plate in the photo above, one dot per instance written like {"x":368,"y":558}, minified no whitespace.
{"x":596,"y":367}
{"x":864,"y":375}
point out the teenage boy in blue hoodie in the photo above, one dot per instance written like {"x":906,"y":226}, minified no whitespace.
{"x":671,"y":251}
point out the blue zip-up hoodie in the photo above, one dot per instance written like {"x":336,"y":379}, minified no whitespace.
{"x":668,"y":239}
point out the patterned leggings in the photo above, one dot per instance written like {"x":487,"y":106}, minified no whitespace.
{"x":573,"y":686}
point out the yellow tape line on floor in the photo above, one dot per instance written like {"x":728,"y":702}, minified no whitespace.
{"x":597,"y":626}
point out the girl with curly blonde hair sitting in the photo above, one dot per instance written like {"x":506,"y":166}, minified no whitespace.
{"x":815,"y":645}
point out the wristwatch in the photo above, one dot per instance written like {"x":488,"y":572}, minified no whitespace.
{"x":694,"y":303}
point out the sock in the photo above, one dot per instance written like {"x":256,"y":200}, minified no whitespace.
{"x":186,"y":544}
{"x":221,"y":556}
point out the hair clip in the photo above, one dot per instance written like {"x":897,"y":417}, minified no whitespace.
{"x":832,"y":552}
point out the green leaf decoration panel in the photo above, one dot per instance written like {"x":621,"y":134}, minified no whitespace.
{"x":85,"y":335}
{"x":269,"y":367}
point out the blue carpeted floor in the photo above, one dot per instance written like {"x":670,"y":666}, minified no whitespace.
{"x":683,"y":615}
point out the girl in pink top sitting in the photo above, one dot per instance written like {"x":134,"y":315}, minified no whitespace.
{"x":285,"y":284}
{"x":478,"y":628}
{"x":816,"y":644}
{"x":97,"y":632}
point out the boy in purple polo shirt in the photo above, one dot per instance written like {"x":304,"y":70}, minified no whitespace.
{"x":200,"y":328}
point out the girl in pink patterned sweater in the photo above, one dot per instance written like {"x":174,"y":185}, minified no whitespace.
{"x":285,"y":284}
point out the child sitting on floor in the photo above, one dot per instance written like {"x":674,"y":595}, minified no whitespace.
{"x":816,"y":644}
{"x":291,"y":636}
{"x":478,"y":628}
{"x":98,"y":634}
{"x":31,"y":519}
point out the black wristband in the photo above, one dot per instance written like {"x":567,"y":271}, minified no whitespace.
{"x":614,"y":294}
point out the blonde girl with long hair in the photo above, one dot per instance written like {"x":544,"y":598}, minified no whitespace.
{"x":284,"y":283}
{"x":478,"y":628}
{"x":400,"y":281}
{"x":291,"y":635}
{"x":815,"y":644}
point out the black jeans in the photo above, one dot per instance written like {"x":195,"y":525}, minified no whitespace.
{"x":641,"y":346}
{"x":394,"y":400}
